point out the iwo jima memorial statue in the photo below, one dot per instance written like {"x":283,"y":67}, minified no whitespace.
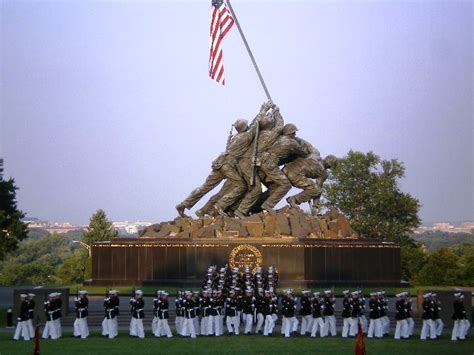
{"x":238,"y":226}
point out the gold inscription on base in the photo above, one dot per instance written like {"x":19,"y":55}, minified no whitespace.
{"x":245,"y":255}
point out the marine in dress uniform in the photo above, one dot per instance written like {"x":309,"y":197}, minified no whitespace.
{"x":248,"y":307}
{"x":206,"y":312}
{"x":428,"y":328}
{"x":362,"y":317}
{"x":355,"y":313}
{"x":189,"y":314}
{"x":328,"y":313}
{"x":232,"y":313}
{"x":180,"y":311}
{"x":110,"y":322}
{"x":22,"y":320}
{"x":401,"y":330}
{"x":383,"y":313}
{"x":461,"y":323}
{"x":288,"y":307}
{"x":259,"y":301}
{"x":347,"y":308}
{"x":163,"y":328}
{"x":217,"y":303}
{"x":268,"y":310}
{"x":81,"y":329}
{"x":137,"y":305}
{"x":375,"y":324}
{"x":31,"y":314}
{"x":317,"y":307}
{"x":156,"y":301}
{"x":305,"y":313}
{"x":52,"y":308}
{"x":436,"y":317}
{"x":410,"y":321}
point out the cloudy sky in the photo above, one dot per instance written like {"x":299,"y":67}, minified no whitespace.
{"x":108,"y":104}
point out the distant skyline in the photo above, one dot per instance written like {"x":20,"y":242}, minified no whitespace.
{"x":108,"y":104}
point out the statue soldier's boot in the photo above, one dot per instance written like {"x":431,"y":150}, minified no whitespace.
{"x":292,"y":201}
{"x":239,"y":214}
{"x":180,"y":208}
{"x":220,"y":211}
{"x":200,"y":213}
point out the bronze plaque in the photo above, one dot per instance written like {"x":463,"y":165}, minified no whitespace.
{"x":245,"y":255}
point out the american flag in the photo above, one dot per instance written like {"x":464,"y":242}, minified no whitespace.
{"x":221,"y":23}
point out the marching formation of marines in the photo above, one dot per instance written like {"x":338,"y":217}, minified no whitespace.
{"x":253,"y":158}
{"x":234,"y":301}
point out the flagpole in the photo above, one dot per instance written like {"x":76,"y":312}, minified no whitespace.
{"x":248,"y":49}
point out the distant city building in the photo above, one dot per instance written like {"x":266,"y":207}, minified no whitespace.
{"x":130,"y":227}
{"x":465,"y":227}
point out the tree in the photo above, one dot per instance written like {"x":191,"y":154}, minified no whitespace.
{"x":100,"y":229}
{"x":365,"y":188}
{"x":442,"y":267}
{"x":73,"y":269}
{"x":12,"y":229}
{"x":35,"y":261}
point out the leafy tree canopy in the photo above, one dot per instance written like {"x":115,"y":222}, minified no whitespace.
{"x":366,"y":189}
{"x":100,"y":229}
{"x":12,"y":229}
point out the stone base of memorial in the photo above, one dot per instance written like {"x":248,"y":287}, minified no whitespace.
{"x":307,"y":251}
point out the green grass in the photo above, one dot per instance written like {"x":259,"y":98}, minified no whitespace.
{"x":234,"y":345}
{"x":172,"y":290}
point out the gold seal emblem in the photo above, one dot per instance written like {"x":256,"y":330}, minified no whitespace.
{"x":245,"y":255}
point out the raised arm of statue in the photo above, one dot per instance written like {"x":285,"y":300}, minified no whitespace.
{"x":279,"y":122}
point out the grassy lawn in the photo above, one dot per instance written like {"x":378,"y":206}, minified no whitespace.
{"x":172,"y":290}
{"x":233,"y":345}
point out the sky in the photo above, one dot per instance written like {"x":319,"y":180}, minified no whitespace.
{"x":108,"y":104}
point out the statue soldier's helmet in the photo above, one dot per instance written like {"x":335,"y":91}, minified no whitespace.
{"x":288,"y":129}
{"x":330,"y":161}
{"x":241,"y":125}
{"x":266,"y":122}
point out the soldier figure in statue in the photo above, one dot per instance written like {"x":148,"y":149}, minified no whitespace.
{"x":225,"y":167}
{"x":309,"y":174}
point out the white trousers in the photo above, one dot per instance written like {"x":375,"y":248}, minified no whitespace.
{"x":306,"y":324}
{"x":289,"y":325}
{"x":317,"y":322}
{"x":110,"y":327}
{"x":188,"y":328}
{"x":162,"y":328}
{"x":354,"y":326}
{"x":81,"y":328}
{"x":269,"y":325}
{"x":248,"y":320}
{"x":385,"y":325}
{"x":205,"y":325}
{"x":347,"y":324}
{"x":233,"y":324}
{"x":428,"y":328}
{"x":179,"y":322}
{"x":411,"y":326}
{"x":31,"y":329}
{"x":136,"y":328}
{"x":460,"y":329}
{"x":364,"y":323}
{"x":50,"y":330}
{"x":439,"y":325}
{"x":22,"y":330}
{"x":375,"y":328}
{"x":218,"y":325}
{"x":260,"y":321}
{"x":57,"y":325}
{"x":329,"y":325}
{"x":401,"y":330}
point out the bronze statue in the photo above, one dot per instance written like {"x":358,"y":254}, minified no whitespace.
{"x":253,"y":157}
{"x":225,"y":167}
